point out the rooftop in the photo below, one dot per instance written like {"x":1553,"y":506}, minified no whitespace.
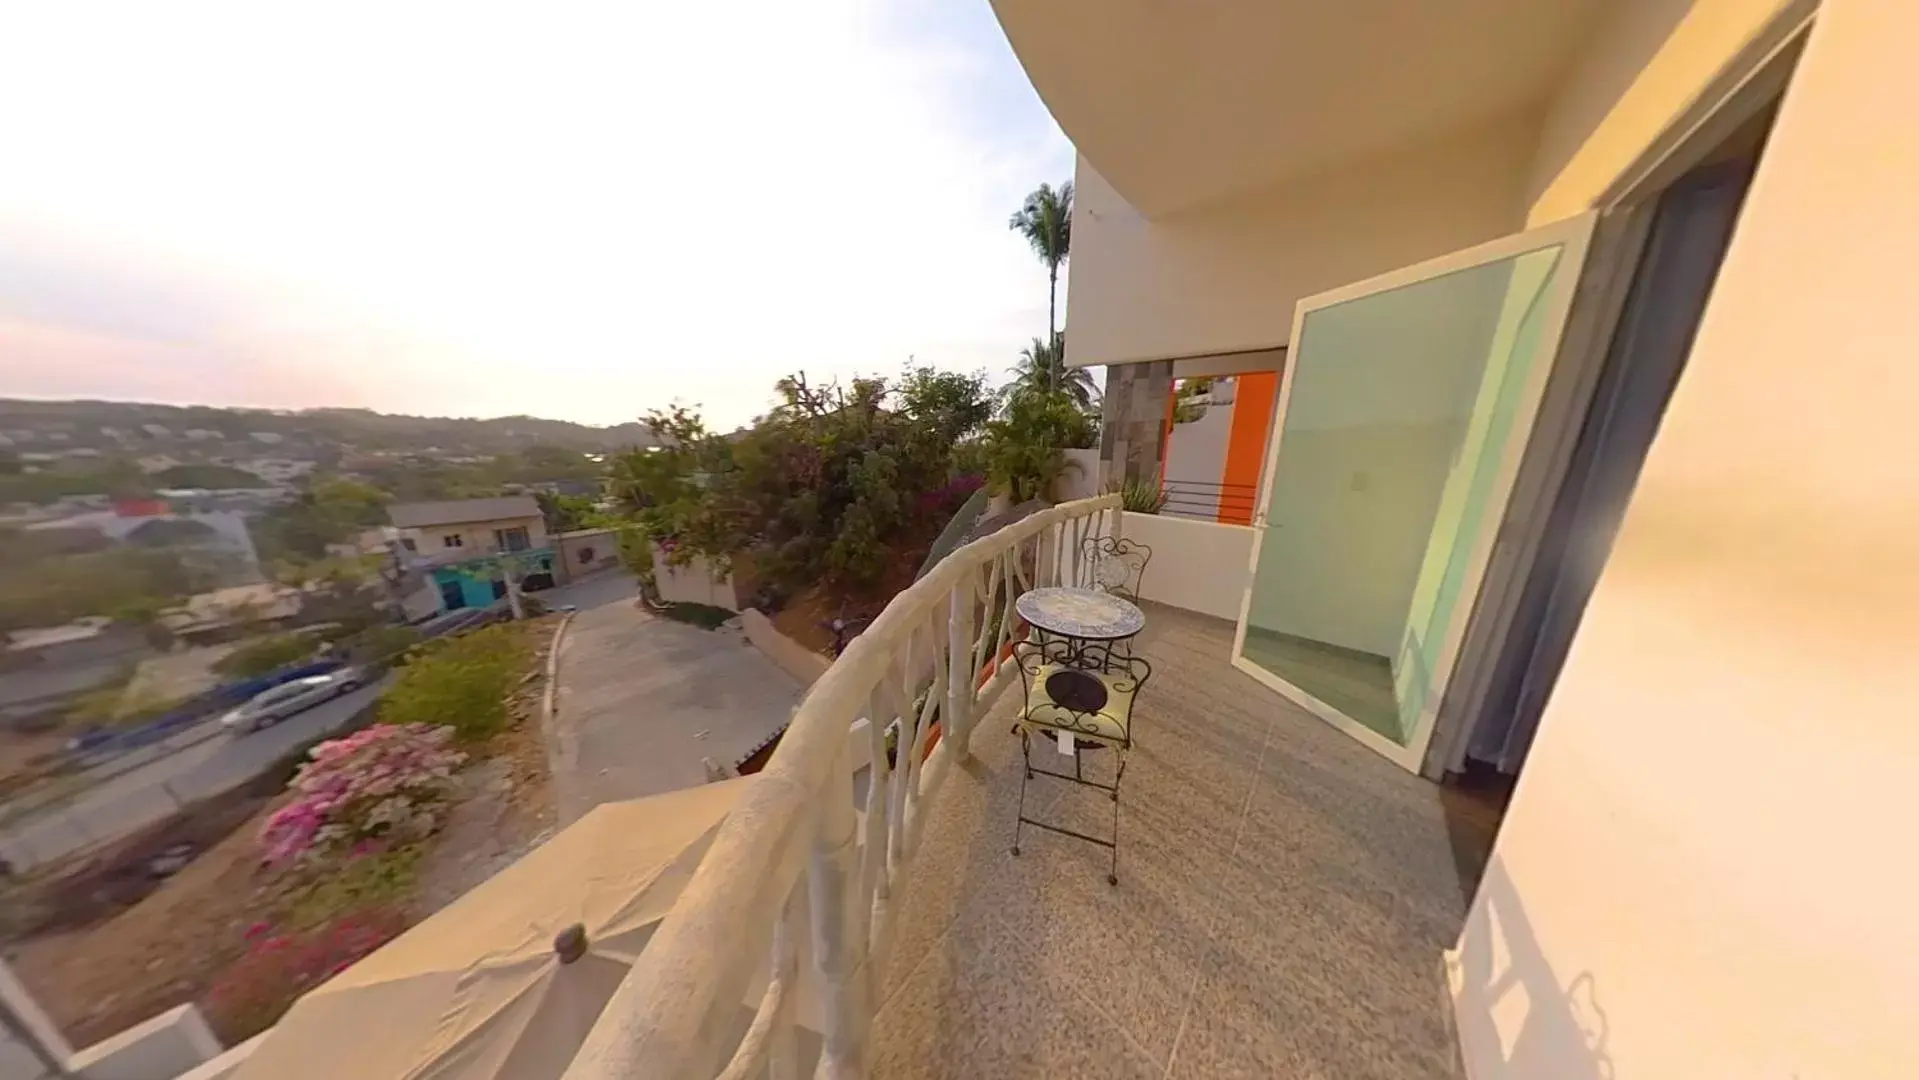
{"x":459,"y":511}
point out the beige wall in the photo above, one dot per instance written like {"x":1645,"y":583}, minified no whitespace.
{"x":1706,"y":871}
{"x":1196,"y":565}
{"x":1225,"y":279}
{"x":478,"y":535}
{"x":603,"y":545}
{"x":1648,"y":61}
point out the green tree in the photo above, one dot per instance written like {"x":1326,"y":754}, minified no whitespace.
{"x":1046,"y":221}
{"x":1023,"y":447}
{"x":947,"y":405}
{"x":1042,"y":370}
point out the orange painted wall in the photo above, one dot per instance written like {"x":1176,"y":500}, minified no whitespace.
{"x":1246,"y":444}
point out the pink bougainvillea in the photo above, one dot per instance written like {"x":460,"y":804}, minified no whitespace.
{"x":280,"y":966}
{"x":382,"y":785}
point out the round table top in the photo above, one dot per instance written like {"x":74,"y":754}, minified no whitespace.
{"x":1088,"y":614}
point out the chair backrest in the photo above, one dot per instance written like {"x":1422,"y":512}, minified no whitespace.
{"x":1119,"y":671}
{"x":1116,"y":565}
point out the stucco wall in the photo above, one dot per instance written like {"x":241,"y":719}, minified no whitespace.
{"x":1196,"y":565}
{"x":694,"y":583}
{"x":1646,"y":63}
{"x":477,"y":536}
{"x":1226,"y":278}
{"x":1705,"y":869}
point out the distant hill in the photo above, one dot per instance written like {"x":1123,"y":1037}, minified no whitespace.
{"x":131,"y":426}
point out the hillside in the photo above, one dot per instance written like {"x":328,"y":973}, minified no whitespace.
{"x":110,"y":426}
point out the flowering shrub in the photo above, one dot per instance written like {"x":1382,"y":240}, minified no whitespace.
{"x":253,"y":993}
{"x":947,"y":499}
{"x":378,"y":787}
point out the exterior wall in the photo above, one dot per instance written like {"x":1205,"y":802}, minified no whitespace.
{"x":478,"y":535}
{"x":1704,"y":871}
{"x":1081,"y":479}
{"x":1196,"y":565}
{"x":1225,"y":278}
{"x":694,"y":583}
{"x":1647,"y":62}
{"x":584,"y":552}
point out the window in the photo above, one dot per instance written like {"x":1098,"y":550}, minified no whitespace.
{"x":407,"y":543}
{"x":514,"y":539}
{"x":453,"y":540}
{"x":586,"y":555}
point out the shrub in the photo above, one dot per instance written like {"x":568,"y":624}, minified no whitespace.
{"x":376,"y":788}
{"x":1141,"y":496}
{"x":269,"y":654}
{"x":460,"y":682}
{"x":381,"y":644}
{"x":252,"y":994}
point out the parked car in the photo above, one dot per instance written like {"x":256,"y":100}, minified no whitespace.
{"x":269,"y":707}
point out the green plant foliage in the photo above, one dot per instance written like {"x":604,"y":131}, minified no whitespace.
{"x":1140,"y":496}
{"x":381,"y":644}
{"x":461,"y":682}
{"x":1042,"y":370}
{"x":1023,"y":447}
{"x":822,"y":488}
{"x":704,"y":616}
{"x":266,"y":655}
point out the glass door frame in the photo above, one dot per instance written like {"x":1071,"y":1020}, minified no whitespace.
{"x":1574,"y":235}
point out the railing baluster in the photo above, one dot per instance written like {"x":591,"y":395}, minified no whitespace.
{"x":795,"y":829}
{"x":922,"y":731}
{"x":960,"y":678}
{"x":875,"y":886}
{"x":839,"y":936}
{"x":898,"y":709}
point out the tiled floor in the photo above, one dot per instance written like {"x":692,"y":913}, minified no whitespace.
{"x":1284,"y":896}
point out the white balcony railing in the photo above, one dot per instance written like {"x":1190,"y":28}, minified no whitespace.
{"x":795,"y":872}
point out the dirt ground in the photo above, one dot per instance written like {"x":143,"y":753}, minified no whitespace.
{"x":807,"y":617}
{"x":111,"y":949}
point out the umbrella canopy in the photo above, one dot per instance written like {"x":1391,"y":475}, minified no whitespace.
{"x":505,"y":983}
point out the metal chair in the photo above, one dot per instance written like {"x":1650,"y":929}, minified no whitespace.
{"x":1116,"y":565}
{"x":1092,"y":707}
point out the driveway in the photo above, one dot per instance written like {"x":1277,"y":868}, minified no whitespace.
{"x":642,"y":700}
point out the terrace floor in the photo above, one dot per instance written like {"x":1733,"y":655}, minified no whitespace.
{"x":1284,"y":898}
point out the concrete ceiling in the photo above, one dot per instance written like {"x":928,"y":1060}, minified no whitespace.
{"x":1179,"y":103}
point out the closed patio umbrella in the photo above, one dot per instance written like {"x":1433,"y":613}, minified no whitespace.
{"x":505,"y":983}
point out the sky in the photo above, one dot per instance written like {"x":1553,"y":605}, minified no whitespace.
{"x":573,"y":210}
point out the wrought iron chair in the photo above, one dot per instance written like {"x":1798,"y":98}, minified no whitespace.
{"x":1116,"y":565}
{"x":1094,"y":708}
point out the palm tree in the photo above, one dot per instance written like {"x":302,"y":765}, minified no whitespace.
{"x":1042,"y":368}
{"x":1046,"y":221}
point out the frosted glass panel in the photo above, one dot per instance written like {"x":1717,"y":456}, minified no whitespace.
{"x":1403,"y":405}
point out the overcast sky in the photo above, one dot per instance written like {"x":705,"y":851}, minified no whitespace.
{"x":572,"y":210}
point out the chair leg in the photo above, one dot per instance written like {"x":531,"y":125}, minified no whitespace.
{"x":1025,"y":774}
{"x":1112,"y":875}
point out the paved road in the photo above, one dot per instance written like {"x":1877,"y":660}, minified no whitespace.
{"x":138,"y":798}
{"x":642,"y":700}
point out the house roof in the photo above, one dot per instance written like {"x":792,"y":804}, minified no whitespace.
{"x":459,"y":511}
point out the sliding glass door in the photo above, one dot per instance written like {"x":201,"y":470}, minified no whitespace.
{"x":1404,"y":408}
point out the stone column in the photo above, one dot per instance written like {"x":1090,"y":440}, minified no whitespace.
{"x":1133,"y":420}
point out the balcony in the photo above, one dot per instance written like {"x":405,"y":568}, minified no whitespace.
{"x":1283,"y":901}
{"x":1284,"y":898}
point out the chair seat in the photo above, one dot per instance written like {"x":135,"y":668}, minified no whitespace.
{"x":1110,"y":724}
